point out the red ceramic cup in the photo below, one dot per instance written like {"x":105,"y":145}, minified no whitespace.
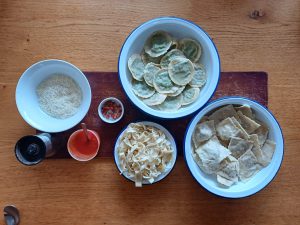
{"x":81,"y":148}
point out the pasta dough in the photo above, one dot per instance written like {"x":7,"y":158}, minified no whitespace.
{"x":144,"y":153}
{"x":203,"y":132}
{"x":171,"y":68}
{"x":136,"y":67}
{"x":211,"y":154}
{"x":181,"y":71}
{"x":158,"y":44}
{"x":240,"y":135}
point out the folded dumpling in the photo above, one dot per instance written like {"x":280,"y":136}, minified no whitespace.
{"x":239,"y":146}
{"x":229,"y":170}
{"x":248,"y":124}
{"x":203,"y":131}
{"x":223,"y":113}
{"x":211,"y":154}
{"x":246,"y":110}
{"x":256,"y":149}
{"x":262,"y":133}
{"x":268,"y":150}
{"x":226,"y":130}
{"x":248,"y":165}
{"x":245,"y":135}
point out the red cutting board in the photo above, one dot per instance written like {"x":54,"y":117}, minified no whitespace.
{"x":253,"y":85}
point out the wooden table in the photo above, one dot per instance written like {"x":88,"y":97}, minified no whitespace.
{"x":250,"y":35}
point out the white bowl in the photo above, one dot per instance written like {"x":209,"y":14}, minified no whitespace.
{"x":170,"y":164}
{"x":101,"y":105}
{"x":263,"y":177}
{"x":27,"y":101}
{"x":178,"y":28}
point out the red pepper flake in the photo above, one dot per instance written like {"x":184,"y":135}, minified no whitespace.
{"x":111,"y":110}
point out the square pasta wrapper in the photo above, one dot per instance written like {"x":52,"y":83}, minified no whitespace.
{"x":262,"y":133}
{"x":226,"y":129}
{"x":246,"y":110}
{"x":264,"y":155}
{"x":248,"y":166}
{"x":248,"y":124}
{"x":256,"y":149}
{"x":228,"y":173}
{"x":211,"y":154}
{"x":203,"y":132}
{"x":239,"y":146}
{"x":245,"y":135}
{"x":223,"y":113}
{"x":268,"y":150}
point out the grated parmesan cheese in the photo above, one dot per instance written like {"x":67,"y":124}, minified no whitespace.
{"x":59,"y":96}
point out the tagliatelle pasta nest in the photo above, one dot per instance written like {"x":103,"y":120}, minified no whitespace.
{"x":144,"y":153}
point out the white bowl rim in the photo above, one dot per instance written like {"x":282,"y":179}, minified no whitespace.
{"x":165,"y":174}
{"x":265,"y":182}
{"x":53,"y":60}
{"x":170,"y":115}
{"x":102,"y":103}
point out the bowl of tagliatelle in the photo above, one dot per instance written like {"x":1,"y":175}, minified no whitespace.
{"x":145,"y":153}
{"x":234,"y":147}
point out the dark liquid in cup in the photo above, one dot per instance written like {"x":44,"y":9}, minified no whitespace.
{"x":30,"y":150}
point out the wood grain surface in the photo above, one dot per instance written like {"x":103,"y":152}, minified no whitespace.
{"x":250,"y":35}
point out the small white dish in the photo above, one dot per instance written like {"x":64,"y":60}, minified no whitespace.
{"x":27,"y":101}
{"x":179,"y":28}
{"x":103,"y":102}
{"x":263,"y":177}
{"x":169,"y":167}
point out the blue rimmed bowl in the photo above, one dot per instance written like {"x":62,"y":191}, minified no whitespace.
{"x":170,"y":165}
{"x":179,"y":28}
{"x":263,"y":177}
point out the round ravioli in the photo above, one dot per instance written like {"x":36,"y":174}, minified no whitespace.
{"x":167,"y":58}
{"x":199,"y":78}
{"x":150,"y":70}
{"x":190,"y":95}
{"x":174,"y":44}
{"x":178,"y":92}
{"x":158,"y":44}
{"x":163,"y":84}
{"x":181,"y":70}
{"x":141,"y":89}
{"x":136,"y":67}
{"x":148,"y":59}
{"x":171,"y":103}
{"x":155,"y":99}
{"x":190,"y":48}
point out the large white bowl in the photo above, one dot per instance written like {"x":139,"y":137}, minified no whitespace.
{"x":178,"y":28}
{"x":170,"y":165}
{"x":27,"y":102}
{"x":263,"y":177}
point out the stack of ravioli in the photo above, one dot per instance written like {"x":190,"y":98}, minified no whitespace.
{"x":167,"y":74}
{"x":232,"y":144}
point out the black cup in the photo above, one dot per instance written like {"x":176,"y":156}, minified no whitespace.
{"x":33,"y":149}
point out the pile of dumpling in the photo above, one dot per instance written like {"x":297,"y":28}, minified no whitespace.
{"x":232,"y":144}
{"x":167,"y":74}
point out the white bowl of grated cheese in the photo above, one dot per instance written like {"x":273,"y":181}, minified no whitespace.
{"x":53,"y":95}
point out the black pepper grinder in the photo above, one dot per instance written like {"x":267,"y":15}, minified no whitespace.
{"x":33,"y":149}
